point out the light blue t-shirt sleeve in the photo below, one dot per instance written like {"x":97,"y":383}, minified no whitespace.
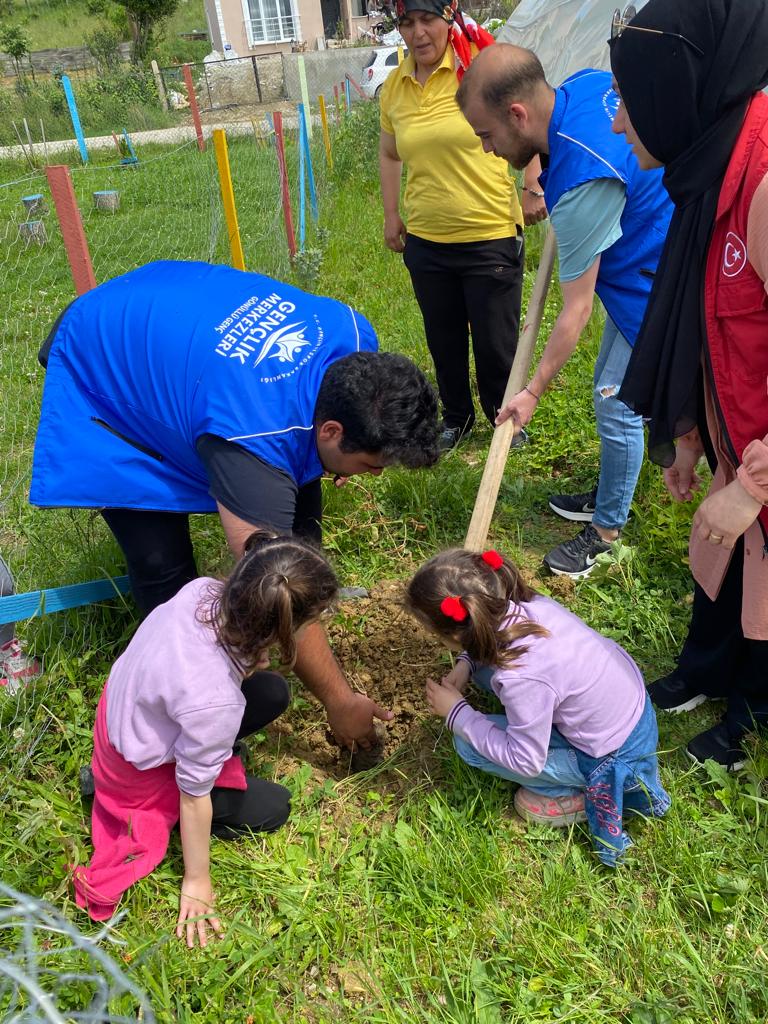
{"x":586,"y":222}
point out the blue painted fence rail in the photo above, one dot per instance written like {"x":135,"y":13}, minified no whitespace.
{"x":58,"y":599}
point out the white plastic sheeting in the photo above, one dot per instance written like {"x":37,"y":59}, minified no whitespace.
{"x":566,"y":35}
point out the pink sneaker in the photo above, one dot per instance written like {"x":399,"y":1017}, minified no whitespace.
{"x":555,"y":811}
{"x":16,"y":667}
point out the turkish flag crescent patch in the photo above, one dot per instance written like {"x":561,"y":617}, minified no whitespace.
{"x":734,"y":255}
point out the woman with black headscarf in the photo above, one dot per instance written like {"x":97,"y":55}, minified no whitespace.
{"x":689,"y":74}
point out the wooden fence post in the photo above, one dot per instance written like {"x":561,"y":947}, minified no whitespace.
{"x":160,"y":85}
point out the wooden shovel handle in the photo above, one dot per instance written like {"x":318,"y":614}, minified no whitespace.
{"x":488,"y":492}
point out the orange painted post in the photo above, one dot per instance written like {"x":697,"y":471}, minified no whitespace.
{"x":277,"y":119}
{"x":326,"y":133}
{"x":338,"y":103}
{"x":71,"y":223}
{"x":194,"y":107}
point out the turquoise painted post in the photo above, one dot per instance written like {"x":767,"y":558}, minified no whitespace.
{"x":132,"y":159}
{"x":304,"y":141}
{"x":75,"y":118}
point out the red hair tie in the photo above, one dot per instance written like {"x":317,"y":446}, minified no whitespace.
{"x":453,"y":608}
{"x":492,"y":558}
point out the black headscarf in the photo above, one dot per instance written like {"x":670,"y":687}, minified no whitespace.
{"x":687,"y":109}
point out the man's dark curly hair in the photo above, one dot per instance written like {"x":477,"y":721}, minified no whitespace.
{"x":386,"y":406}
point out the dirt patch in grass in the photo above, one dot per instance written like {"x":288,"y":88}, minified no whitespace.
{"x":385,"y":654}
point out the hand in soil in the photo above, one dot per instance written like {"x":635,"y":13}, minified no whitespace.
{"x":441,"y":697}
{"x":353,"y":721}
{"x":362,"y":760}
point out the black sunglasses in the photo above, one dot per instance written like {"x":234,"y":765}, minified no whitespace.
{"x":621,"y":22}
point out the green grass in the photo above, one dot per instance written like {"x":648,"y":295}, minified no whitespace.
{"x":410,"y":894}
{"x":108,"y":98}
{"x":54,"y":24}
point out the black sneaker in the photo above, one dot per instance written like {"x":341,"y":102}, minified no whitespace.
{"x":673,"y":694}
{"x":717,"y":744}
{"x":450,"y":437}
{"x":577,"y":557}
{"x":86,"y":783}
{"x":240,"y":749}
{"x":520,"y":440}
{"x":579,"y":508}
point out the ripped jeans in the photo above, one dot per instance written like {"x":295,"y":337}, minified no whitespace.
{"x":620,"y":430}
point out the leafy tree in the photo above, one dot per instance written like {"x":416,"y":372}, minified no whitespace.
{"x":143,"y":18}
{"x":15,"y":42}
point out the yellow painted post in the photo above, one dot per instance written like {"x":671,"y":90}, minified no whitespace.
{"x":228,"y":198}
{"x":326,"y":134}
{"x":400,"y":55}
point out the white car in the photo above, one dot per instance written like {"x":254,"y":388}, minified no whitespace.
{"x":379,"y":64}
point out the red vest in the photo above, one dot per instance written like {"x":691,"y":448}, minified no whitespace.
{"x":735,"y":301}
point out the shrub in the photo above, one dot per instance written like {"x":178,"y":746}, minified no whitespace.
{"x":103,"y":45}
{"x":356,"y":145}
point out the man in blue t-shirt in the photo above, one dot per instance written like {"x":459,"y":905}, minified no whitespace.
{"x":186,"y":387}
{"x":610,"y":220}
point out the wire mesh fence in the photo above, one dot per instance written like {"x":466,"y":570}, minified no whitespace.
{"x":228,"y":84}
{"x":51,"y":971}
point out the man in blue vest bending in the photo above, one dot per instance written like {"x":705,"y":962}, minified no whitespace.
{"x":186,"y":387}
{"x":610,"y":220}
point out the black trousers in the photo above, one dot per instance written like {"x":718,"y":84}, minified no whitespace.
{"x":718,"y":660}
{"x":158,"y":548}
{"x":462,"y":287}
{"x":265,"y":805}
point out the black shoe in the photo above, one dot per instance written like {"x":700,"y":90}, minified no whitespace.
{"x":240,"y":749}
{"x":673,"y":694}
{"x":520,"y":440}
{"x":579,"y":508}
{"x":450,"y":437}
{"x":717,"y":744}
{"x":85,"y":778}
{"x":577,"y":557}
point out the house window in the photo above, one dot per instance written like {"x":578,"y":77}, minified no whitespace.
{"x":272,"y":21}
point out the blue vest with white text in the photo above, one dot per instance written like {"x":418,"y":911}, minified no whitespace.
{"x":146,"y":363}
{"x":582,"y":148}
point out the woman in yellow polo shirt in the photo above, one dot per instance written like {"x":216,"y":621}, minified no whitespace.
{"x":463,"y":245}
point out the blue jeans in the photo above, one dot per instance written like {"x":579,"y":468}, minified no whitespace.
{"x":623,"y":782}
{"x":620,"y":430}
{"x":561,"y":775}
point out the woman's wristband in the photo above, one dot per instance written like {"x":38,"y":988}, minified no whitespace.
{"x":533,"y":192}
{"x":532,"y":393}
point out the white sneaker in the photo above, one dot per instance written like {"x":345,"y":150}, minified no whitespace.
{"x":16,"y":667}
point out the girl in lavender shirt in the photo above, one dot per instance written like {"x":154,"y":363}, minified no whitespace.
{"x":192,"y":682}
{"x":578,"y":732}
